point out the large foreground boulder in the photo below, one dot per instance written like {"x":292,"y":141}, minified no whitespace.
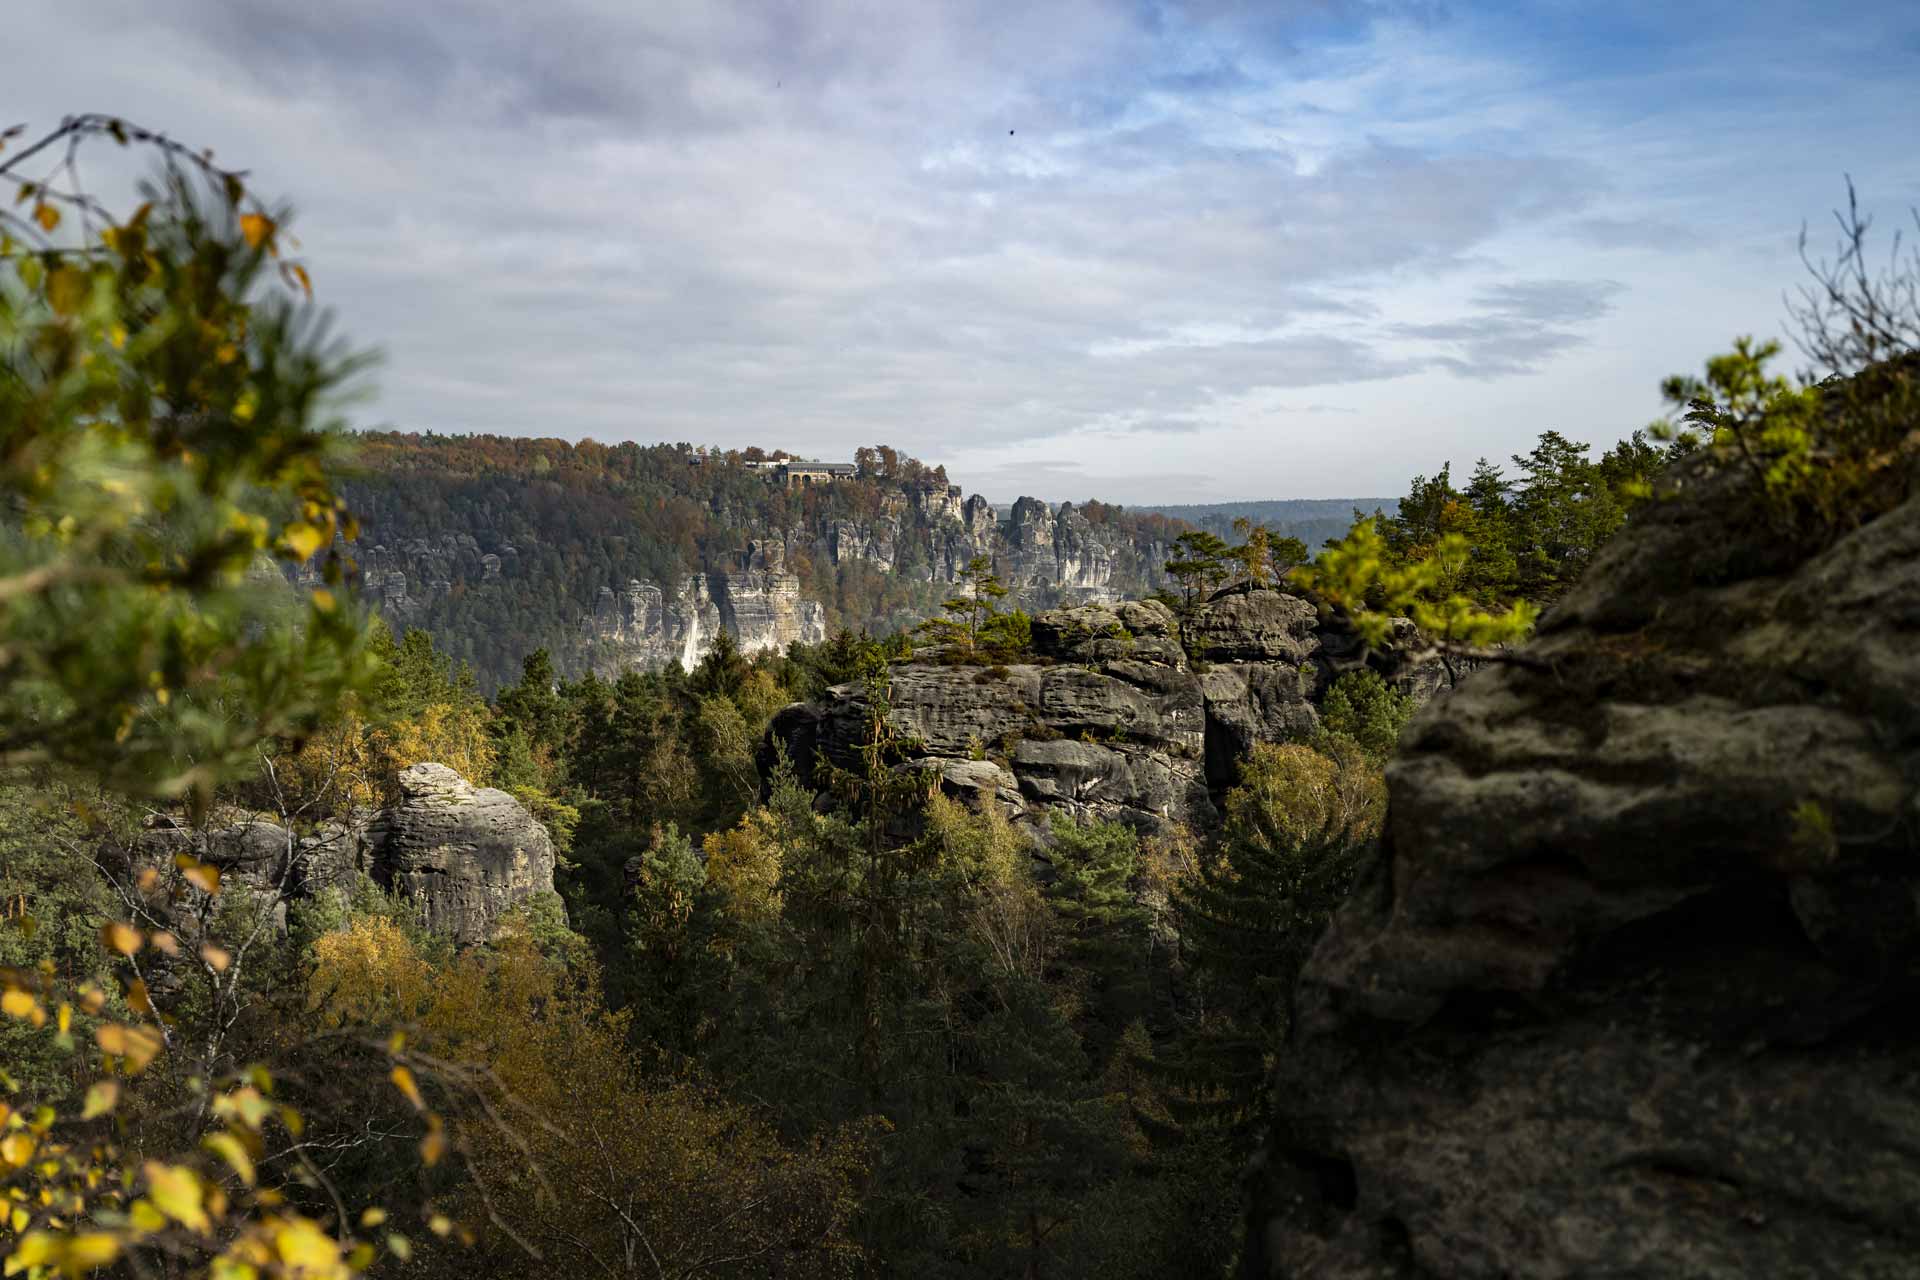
{"x":1631,"y":990}
{"x":464,"y":854}
{"x":1254,"y":626}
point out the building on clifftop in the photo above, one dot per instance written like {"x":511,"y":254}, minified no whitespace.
{"x":795,"y":473}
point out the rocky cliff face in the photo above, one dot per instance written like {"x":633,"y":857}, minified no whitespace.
{"x":400,"y":580}
{"x":1061,"y":556}
{"x":1116,"y":717}
{"x":758,"y":603}
{"x":464,"y":855}
{"x":926,"y":535}
{"x":1630,"y":989}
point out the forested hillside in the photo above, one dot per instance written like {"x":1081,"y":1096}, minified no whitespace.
{"x":499,"y":546}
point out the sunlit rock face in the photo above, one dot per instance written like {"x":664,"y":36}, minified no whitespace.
{"x":759,"y":604}
{"x":1630,"y":990}
{"x":464,"y":855}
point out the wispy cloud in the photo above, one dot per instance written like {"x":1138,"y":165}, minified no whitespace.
{"x":1515,"y":328}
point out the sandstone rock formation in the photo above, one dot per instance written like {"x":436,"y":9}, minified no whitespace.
{"x":1116,"y":717}
{"x":255,"y":856}
{"x":926,"y":535}
{"x":464,"y":854}
{"x":1631,"y":988}
{"x":758,"y":603}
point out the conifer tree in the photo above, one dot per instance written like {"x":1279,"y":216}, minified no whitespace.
{"x":1361,"y":706}
{"x":1103,"y":927}
{"x":1297,"y":828}
{"x":1199,"y":565}
{"x":972,"y":610}
{"x":534,"y":704}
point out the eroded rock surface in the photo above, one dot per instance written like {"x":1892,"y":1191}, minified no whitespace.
{"x":1118,"y":716}
{"x":926,"y":534}
{"x":758,"y":603}
{"x":465,"y":854}
{"x":1631,"y":988}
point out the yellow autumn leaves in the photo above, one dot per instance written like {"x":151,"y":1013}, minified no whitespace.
{"x":354,"y":762}
{"x":70,"y":1214}
{"x":74,"y":1206}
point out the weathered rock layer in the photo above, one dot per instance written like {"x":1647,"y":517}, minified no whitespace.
{"x":463,"y":855}
{"x":758,"y":604}
{"x":926,"y":534}
{"x":1120,"y":715}
{"x":1630,"y":989}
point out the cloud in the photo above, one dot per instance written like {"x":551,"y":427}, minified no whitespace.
{"x":1516,"y":327}
{"x":1092,"y":228}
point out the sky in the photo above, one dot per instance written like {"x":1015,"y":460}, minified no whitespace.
{"x":1140,"y":250}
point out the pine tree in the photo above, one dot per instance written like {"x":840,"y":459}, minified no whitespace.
{"x":1363,"y":707}
{"x":1199,"y":565}
{"x":1298,"y":827}
{"x":672,"y":971}
{"x":1042,"y":1136}
{"x":534,"y":705}
{"x":723,"y":669}
{"x":1102,"y":925}
{"x":972,"y":610}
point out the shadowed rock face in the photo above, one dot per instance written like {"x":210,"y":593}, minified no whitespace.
{"x":1605,"y":1005}
{"x":463,"y":854}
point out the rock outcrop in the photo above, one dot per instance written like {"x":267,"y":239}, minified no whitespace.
{"x":402,"y":579}
{"x":1061,"y":556}
{"x":1630,"y":990}
{"x":758,"y":603}
{"x":464,"y":855}
{"x":1115,"y":717}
